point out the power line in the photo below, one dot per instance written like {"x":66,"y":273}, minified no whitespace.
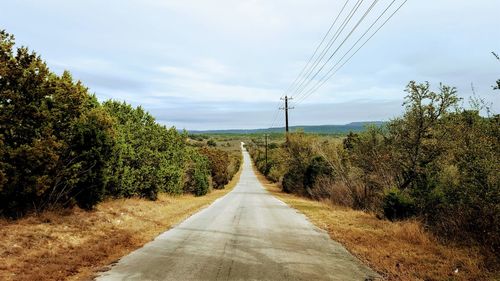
{"x":338,"y":48}
{"x":276,"y":113}
{"x":306,"y":66}
{"x":302,"y":88}
{"x":332,"y":41}
{"x":352,"y":47}
{"x":330,"y":74}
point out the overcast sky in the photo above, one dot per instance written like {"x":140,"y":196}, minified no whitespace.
{"x":220,"y":64}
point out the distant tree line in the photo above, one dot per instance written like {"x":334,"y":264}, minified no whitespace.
{"x":60,"y":147}
{"x":438,"y":162}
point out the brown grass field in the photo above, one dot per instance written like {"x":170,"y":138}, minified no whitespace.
{"x":397,"y":250}
{"x":76,"y":244}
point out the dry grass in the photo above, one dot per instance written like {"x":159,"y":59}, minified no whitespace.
{"x":398,"y":251}
{"x":74,"y":245}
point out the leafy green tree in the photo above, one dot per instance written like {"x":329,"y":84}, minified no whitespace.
{"x":415,"y":137}
{"x":370,"y":157}
{"x":60,"y":147}
{"x":197,"y":174}
{"x":468,"y":181}
{"x":92,"y":140}
{"x":148,"y":157}
{"x":41,"y":164}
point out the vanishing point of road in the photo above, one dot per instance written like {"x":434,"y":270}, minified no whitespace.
{"x":246,"y":235}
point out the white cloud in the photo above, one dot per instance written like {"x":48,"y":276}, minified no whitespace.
{"x":209,"y":91}
{"x":232,"y":57}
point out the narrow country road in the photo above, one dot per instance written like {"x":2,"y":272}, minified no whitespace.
{"x":246,"y":235}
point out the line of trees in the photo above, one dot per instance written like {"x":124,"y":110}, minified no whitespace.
{"x":60,"y":147}
{"x":438,"y":162}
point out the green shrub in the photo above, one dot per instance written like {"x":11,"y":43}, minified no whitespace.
{"x":293,"y":182}
{"x":197,"y":174}
{"x":59,"y":146}
{"x":316,"y":168}
{"x":149,"y":158}
{"x":272,"y":145}
{"x":274,"y":174}
{"x":441,"y":160}
{"x":55,"y":138}
{"x":211,"y":143}
{"x":397,"y":205}
{"x":92,"y":140}
{"x":218,"y":162}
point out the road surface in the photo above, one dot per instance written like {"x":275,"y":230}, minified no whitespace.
{"x":246,"y":235}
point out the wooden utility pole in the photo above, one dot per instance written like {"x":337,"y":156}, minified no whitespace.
{"x":286,"y":108}
{"x":266,"y":135}
{"x":286,"y":113}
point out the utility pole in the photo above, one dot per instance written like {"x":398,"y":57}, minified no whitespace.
{"x":266,"y":135}
{"x":286,"y":108}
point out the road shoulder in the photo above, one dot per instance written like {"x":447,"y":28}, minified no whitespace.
{"x":76,"y":244}
{"x":397,"y":251}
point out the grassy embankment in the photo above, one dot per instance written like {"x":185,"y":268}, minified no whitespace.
{"x":75,"y":244}
{"x":397,"y":250}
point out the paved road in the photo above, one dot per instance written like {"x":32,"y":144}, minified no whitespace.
{"x":246,"y":235}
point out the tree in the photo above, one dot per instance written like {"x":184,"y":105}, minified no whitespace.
{"x":197,"y":174}
{"x":148,"y":157}
{"x":299,"y":153}
{"x":218,"y":162}
{"x":42,"y":164}
{"x":415,"y":136}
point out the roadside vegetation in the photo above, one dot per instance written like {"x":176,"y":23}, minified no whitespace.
{"x":74,"y":244}
{"x":84,"y":182}
{"x":60,"y":147}
{"x":402,"y":250}
{"x":437,"y":166}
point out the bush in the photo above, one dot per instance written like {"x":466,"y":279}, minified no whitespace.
{"x":218,"y":162}
{"x":92,"y":140}
{"x":197,"y":175}
{"x":211,"y":143}
{"x":272,"y":146}
{"x":55,"y":138}
{"x":59,"y":146}
{"x":318,"y":167}
{"x":397,"y":205}
{"x":274,"y":173}
{"x":293,"y":183}
{"x":149,"y":158}
{"x":299,"y":154}
{"x":438,"y":162}
{"x":235,"y":160}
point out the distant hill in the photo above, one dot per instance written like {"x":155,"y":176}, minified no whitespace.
{"x":317,"y":129}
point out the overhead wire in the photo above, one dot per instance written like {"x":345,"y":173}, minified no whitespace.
{"x":354,"y":45}
{"x":276,"y":113}
{"x":310,"y":68}
{"x":301,"y":91}
{"x":307,"y":65}
{"x":325,"y":51}
{"x":333,"y":70}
